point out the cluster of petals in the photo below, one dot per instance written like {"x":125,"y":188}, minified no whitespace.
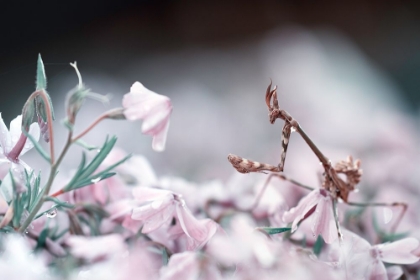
{"x":319,"y":202}
{"x":159,"y":207}
{"x":154,"y":109}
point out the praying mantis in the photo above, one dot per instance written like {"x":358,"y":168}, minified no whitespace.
{"x":338,"y":188}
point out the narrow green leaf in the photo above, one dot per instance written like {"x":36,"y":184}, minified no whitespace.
{"x":92,"y":180}
{"x":99,"y":158}
{"x":270,"y":230}
{"x":37,"y":146}
{"x":76,"y":176}
{"x":85,"y":145}
{"x":319,"y":243}
{"x":116,"y":164}
{"x":41,"y":78}
{"x":59,"y":203}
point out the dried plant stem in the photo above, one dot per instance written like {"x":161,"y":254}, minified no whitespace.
{"x":46,"y":190}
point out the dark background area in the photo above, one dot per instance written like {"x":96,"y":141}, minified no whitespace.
{"x":89,"y":31}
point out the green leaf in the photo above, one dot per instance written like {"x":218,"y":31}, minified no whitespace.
{"x":37,"y":146}
{"x":85,"y":145}
{"x":92,"y":180}
{"x":59,"y":203}
{"x":270,"y":230}
{"x":100,"y":157}
{"x":319,"y":243}
{"x":41,"y":78}
{"x":84,"y":175}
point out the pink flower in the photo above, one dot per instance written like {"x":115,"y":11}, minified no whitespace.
{"x":320,"y":202}
{"x":363,"y":261}
{"x":154,"y":109}
{"x":13,"y":145}
{"x":161,"y":206}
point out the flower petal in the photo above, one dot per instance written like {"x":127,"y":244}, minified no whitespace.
{"x":159,"y":139}
{"x":35,"y":132}
{"x":15,"y":129}
{"x":324,"y":222}
{"x":155,"y":214}
{"x":399,"y":251}
{"x":297,"y":213}
{"x":181,"y":266}
{"x":394,"y":272}
{"x":144,"y":194}
{"x":376,"y":271}
{"x":200,"y":231}
{"x":5,"y":138}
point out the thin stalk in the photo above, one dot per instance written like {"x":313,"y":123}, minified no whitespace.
{"x":46,"y":190}
{"x":91,"y":126}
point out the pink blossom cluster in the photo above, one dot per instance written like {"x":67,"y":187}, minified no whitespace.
{"x":137,"y":225}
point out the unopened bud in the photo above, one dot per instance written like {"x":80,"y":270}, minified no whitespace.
{"x":116,"y":114}
{"x":28,"y":113}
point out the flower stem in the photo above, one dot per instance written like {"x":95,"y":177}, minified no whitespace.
{"x":91,"y":126}
{"x":47,"y":188}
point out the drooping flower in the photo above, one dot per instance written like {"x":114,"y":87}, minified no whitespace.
{"x":319,"y":202}
{"x":154,"y":109}
{"x":13,"y":145}
{"x":161,"y":206}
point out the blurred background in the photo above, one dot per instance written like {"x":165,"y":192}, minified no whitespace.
{"x":347,"y":71}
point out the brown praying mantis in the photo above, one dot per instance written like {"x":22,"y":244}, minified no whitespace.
{"x":331,"y":181}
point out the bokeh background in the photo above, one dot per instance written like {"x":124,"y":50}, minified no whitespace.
{"x":348,"y":71}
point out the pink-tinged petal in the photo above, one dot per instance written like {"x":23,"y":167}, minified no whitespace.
{"x":155,"y":122}
{"x":376,"y":271}
{"x":154,"y":109}
{"x":155,"y":214}
{"x":297,"y":213}
{"x":399,"y":251}
{"x":120,"y":208}
{"x":141,"y":102}
{"x":5,"y":138}
{"x":324,"y":223}
{"x":132,"y":225}
{"x":211,"y":228}
{"x":35,"y":132}
{"x":144,"y":194}
{"x":159,"y":139}
{"x":200,"y":231}
{"x":183,"y":266}
{"x":15,"y":129}
{"x":92,"y":248}
{"x":394,"y":272}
